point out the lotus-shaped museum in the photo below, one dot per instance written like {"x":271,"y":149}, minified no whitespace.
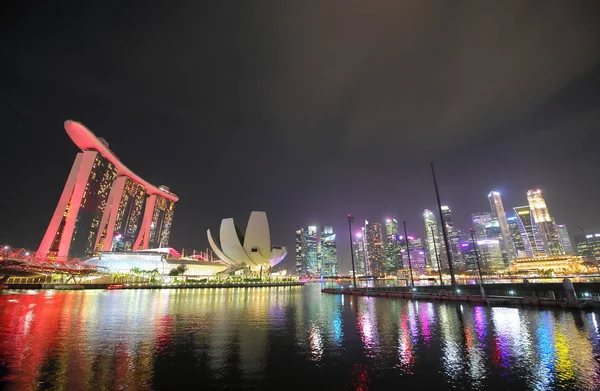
{"x":252,"y":250}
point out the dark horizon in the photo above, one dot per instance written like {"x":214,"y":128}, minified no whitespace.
{"x":308,"y":113}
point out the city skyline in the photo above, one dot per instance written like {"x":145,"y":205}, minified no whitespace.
{"x":497,"y":246}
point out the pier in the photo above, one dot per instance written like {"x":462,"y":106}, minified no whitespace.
{"x":535,"y":295}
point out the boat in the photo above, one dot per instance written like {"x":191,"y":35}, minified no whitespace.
{"x":115,"y":286}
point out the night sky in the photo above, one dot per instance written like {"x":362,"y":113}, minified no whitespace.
{"x":307,"y":110}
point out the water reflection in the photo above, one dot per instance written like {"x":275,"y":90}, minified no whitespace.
{"x":265,"y":337}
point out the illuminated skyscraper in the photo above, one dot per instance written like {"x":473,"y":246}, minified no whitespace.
{"x":122,"y":216}
{"x":418,"y":259}
{"x":328,"y":252}
{"x":488,"y":235}
{"x":499,"y":213}
{"x":517,"y":239}
{"x":433,"y":241}
{"x":300,"y":256}
{"x":565,"y":238}
{"x":311,"y":250}
{"x":316,"y":251}
{"x":544,"y":223}
{"x":589,"y":246}
{"x":486,"y":226}
{"x":531,"y":239}
{"x":468,"y":251}
{"x":453,"y":238}
{"x":360,"y":255}
{"x":375,"y":257}
{"x":102,"y":202}
{"x":393,"y":260}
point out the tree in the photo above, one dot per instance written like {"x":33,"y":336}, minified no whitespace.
{"x":178,"y":271}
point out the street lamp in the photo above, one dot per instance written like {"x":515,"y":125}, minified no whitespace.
{"x":350,"y":221}
{"x":444,"y":233}
{"x":412,"y":283}
{"x":478,"y":265}
{"x":437,"y":258}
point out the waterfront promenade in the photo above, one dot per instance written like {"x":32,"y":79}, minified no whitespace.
{"x":187,"y":285}
{"x":585,"y":295}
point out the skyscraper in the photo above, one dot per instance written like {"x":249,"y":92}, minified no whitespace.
{"x":453,"y":239}
{"x":515,"y":234}
{"x":393,"y":260}
{"x":300,"y":255}
{"x":433,"y":241}
{"x":156,"y":224}
{"x":418,"y":259}
{"x":531,"y":239}
{"x":311,"y":250}
{"x":565,"y":238}
{"x":122,"y":216}
{"x":589,"y":246}
{"x":328,"y":252}
{"x":470,"y":256}
{"x":486,"y":226}
{"x":499,"y":213}
{"x":544,"y":223}
{"x":316,"y":251}
{"x":375,"y":256}
{"x":488,"y":235}
{"x":360,"y":255}
{"x":102,"y":202}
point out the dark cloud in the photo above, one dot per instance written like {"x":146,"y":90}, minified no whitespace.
{"x":308,"y":110}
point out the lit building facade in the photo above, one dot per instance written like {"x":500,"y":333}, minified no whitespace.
{"x":375,"y":255}
{"x":300,"y":257}
{"x":418,"y":260}
{"x":491,"y":255}
{"x":545,"y":224}
{"x":469,"y":255}
{"x":454,"y":237}
{"x":589,"y":246}
{"x":517,"y":239}
{"x":328,"y":252}
{"x":554,"y":264}
{"x":498,"y":212}
{"x":488,"y":234}
{"x":565,"y":239}
{"x":316,"y":251}
{"x":102,"y":203}
{"x":360,"y":255}
{"x":122,"y":216}
{"x":158,"y":261}
{"x":307,"y":250}
{"x":532,"y":241}
{"x":433,"y":241}
{"x":393,"y":259}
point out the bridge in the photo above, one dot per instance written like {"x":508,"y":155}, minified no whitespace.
{"x":22,"y":263}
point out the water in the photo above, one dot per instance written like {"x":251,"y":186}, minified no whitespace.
{"x":286,"y":338}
